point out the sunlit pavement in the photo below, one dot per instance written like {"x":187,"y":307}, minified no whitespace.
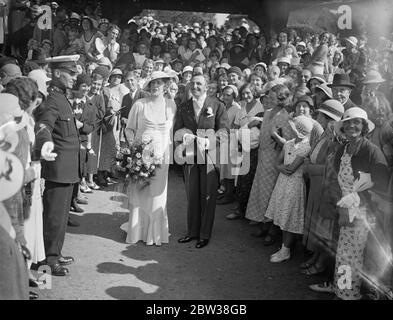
{"x":233,"y":266}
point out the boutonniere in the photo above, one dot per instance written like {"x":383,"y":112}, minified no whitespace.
{"x":209,"y":112}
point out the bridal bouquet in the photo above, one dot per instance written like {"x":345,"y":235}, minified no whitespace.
{"x":141,"y":162}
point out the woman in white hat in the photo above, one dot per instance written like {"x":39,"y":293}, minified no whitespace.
{"x":286,"y":204}
{"x":151,"y":117}
{"x":117,"y":90}
{"x":358,"y":159}
{"x":314,"y":168}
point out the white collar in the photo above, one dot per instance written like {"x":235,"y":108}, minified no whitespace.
{"x":201,"y":100}
{"x":77,"y":100}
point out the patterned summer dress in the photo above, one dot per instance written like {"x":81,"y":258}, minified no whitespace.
{"x":287,"y":203}
{"x":266,"y":174}
{"x":351,"y":242}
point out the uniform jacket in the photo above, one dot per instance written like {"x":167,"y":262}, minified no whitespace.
{"x":56,"y":122}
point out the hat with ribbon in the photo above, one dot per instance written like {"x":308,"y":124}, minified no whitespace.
{"x":64,"y":62}
{"x":341,"y":80}
{"x":332,"y":108}
{"x":373,"y":76}
{"x":353,"y":113}
{"x":154,"y":76}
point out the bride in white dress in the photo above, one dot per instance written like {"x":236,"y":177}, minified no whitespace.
{"x":151,"y":117}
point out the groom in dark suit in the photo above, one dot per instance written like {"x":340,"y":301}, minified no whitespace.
{"x":193,"y":117}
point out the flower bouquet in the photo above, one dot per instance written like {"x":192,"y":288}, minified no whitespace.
{"x":141,"y":163}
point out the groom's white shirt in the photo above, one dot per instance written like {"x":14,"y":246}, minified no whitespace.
{"x":198,"y":105}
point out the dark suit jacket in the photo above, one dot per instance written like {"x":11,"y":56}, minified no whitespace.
{"x":56,"y":123}
{"x":185,"y":119}
{"x":87,"y":117}
{"x":128,"y":102}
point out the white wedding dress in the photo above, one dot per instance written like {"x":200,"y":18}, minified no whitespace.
{"x":148,"y":220}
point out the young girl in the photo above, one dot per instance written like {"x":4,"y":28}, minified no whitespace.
{"x":287,"y":202}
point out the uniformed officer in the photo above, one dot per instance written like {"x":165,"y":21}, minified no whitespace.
{"x":57,"y":141}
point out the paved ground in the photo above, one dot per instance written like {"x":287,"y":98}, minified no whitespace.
{"x":233,"y":266}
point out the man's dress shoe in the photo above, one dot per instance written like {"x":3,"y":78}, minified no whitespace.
{"x":75,"y":208}
{"x":72,"y":223}
{"x":58,"y":270}
{"x":201,"y":243}
{"x":186,"y":239}
{"x":65,"y":261}
{"x":33,"y":295}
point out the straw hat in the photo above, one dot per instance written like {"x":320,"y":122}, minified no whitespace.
{"x":332,"y":108}
{"x":373,"y":76}
{"x":353,"y":113}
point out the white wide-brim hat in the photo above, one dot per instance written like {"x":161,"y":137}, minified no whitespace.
{"x":154,"y":76}
{"x":353,"y":113}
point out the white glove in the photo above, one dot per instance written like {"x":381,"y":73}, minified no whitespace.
{"x":46,"y":151}
{"x":188,"y":138}
{"x":204,"y":143}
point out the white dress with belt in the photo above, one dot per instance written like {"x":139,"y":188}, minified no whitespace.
{"x":148,"y":220}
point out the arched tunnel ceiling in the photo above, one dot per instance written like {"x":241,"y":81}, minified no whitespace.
{"x":266,"y":13}
{"x":227,"y":6}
